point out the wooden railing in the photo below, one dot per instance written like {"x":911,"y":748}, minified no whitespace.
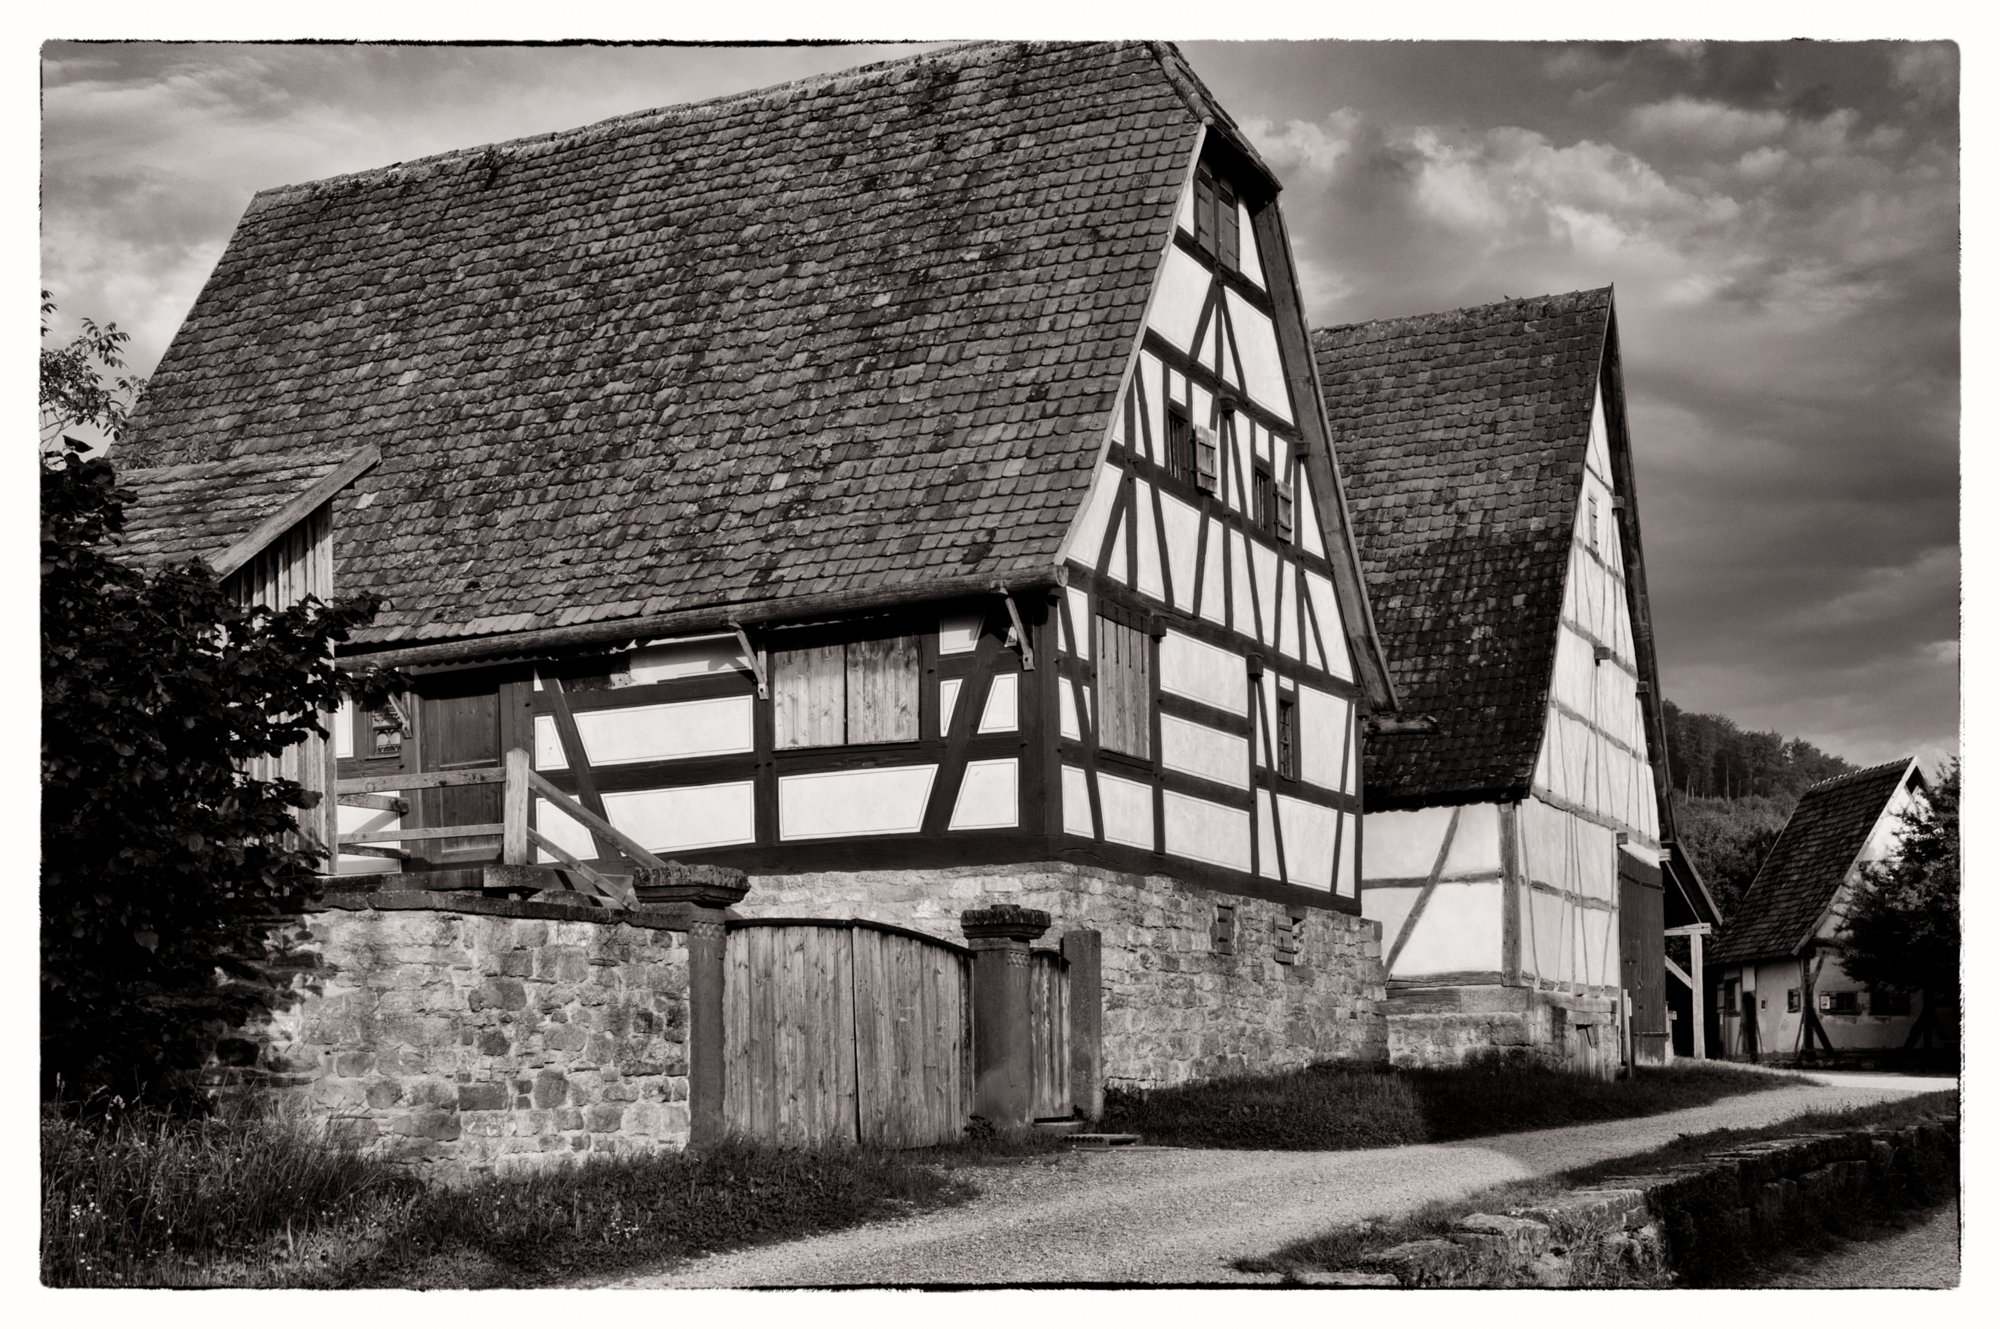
{"x":519,"y":838}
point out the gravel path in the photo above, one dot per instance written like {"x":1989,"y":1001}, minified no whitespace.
{"x":1180,"y":1216}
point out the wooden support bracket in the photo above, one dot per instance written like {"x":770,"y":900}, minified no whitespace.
{"x":1020,"y":632}
{"x":754,"y":659}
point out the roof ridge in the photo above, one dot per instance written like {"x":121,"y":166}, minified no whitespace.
{"x":671,"y":111}
{"x":1606,"y":289}
{"x":1899,"y":764}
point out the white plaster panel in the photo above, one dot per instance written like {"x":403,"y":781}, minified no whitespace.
{"x":1600,"y":441}
{"x":1476,"y":846}
{"x":1243,"y":602}
{"x":1237,"y":491}
{"x":1323,"y":720}
{"x":1128,"y":810}
{"x":1003,"y":705}
{"x":1114,"y":562}
{"x":1197,"y":749}
{"x":565,"y":830}
{"x":1403,"y":843}
{"x":1389,"y":906}
{"x":690,"y":817}
{"x":1266,"y":565}
{"x":947,"y":703}
{"x":1263,"y":366}
{"x":1350,"y":852}
{"x":958,"y":634}
{"x":988,"y":797}
{"x":1567,"y":852}
{"x":1066,"y":708}
{"x":1201,"y":672}
{"x":1079,"y":614}
{"x":831,"y":804}
{"x":1148,"y":535}
{"x":1089,"y":538}
{"x":1248,"y":263}
{"x":1076,"y":804}
{"x":1459,"y":930}
{"x":689,"y":657}
{"x":1214,"y":590}
{"x":350,"y":820}
{"x":1267,"y":837}
{"x":343,"y":729}
{"x":1178,"y":295}
{"x":1152,"y":394}
{"x":1201,"y":405}
{"x":666,"y":731}
{"x":1309,"y":834}
{"x":1326,"y":610}
{"x":1288,"y":620}
{"x":548,"y":745}
{"x":1183,"y":533}
{"x":1184,"y":216}
{"x":1206,"y":832}
{"x":1310,"y":534}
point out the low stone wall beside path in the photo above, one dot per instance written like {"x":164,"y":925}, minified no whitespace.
{"x":459,"y":1035}
{"x":1686,"y":1225}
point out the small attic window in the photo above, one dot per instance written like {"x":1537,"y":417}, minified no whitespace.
{"x":1215,"y":228}
{"x":1181,"y":456}
{"x":1593,"y":524}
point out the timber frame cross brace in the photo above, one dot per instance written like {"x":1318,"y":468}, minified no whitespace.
{"x":1020,"y":631}
{"x":754,"y":660}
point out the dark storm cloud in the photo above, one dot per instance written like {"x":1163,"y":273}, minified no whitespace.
{"x":1780,"y":220}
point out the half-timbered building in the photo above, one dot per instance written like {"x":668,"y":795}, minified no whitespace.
{"x":1775,"y":973}
{"x":907,"y":485}
{"x":1519,"y":849}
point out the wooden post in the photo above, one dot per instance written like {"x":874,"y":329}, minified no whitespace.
{"x":1002,"y":1046}
{"x":1700,"y":977}
{"x":707,"y":942}
{"x":1625,"y":1031}
{"x":1084,"y":949}
{"x":514,"y":810}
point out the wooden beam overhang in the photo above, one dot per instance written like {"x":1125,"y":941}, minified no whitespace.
{"x":1019,"y":639}
{"x":790,"y":611}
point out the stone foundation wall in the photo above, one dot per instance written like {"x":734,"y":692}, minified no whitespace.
{"x":464,"y":1035}
{"x":1444,"y":1026}
{"x":1177,"y":1006}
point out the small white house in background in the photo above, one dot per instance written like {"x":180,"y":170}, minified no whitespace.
{"x":1778,"y":984}
{"x":1519,"y":842}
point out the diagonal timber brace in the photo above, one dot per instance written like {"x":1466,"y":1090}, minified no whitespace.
{"x":1020,"y":630}
{"x":753,"y":659}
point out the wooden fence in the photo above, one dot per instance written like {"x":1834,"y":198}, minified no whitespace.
{"x":844,"y":1031}
{"x":1048,"y":1032}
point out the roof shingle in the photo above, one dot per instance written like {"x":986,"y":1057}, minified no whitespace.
{"x":1461,"y":438}
{"x":203,"y":510}
{"x":792,"y":342}
{"x":1808,"y":863}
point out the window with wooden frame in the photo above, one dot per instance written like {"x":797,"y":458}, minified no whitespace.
{"x":1215,"y":221}
{"x":1182,"y":461}
{"x":1263,"y":497}
{"x":1792,"y":1000}
{"x":1288,"y":737}
{"x":1124,"y":689}
{"x":1840,"y":1003}
{"x":829,"y":693}
{"x":1593,"y":524}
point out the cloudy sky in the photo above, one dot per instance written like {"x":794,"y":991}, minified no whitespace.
{"x":1780,"y":220}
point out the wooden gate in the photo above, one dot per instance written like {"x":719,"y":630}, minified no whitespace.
{"x":1048,"y":1033}
{"x":1642,"y":953}
{"x":838,"y":1031}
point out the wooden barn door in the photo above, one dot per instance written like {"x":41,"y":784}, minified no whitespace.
{"x":837,"y":1032}
{"x":1642,"y":954}
{"x":458,"y":728}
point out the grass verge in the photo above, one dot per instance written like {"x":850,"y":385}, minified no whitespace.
{"x":1340,"y":1106}
{"x":1344,"y":1247}
{"x":152,"y":1201}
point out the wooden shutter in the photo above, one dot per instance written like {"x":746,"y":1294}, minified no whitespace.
{"x":1284,"y":512}
{"x":1226,"y":242}
{"x":1124,"y":689}
{"x":1204,"y":211}
{"x":882,"y":682}
{"x":1206,"y":473}
{"x":808,"y":695}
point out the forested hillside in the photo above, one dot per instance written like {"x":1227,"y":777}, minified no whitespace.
{"x":1733,"y":790}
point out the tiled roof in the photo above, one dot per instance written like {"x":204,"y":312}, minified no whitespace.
{"x":1807,"y":864}
{"x":205,"y":510}
{"x":1461,"y":438}
{"x":857,"y":332}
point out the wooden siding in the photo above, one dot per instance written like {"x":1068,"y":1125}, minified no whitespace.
{"x":1048,"y":1034}
{"x":837,"y":1033}
{"x":1124,"y":689}
{"x":297,"y":564}
{"x":834,"y":693}
{"x":809,"y":691}
{"x":882,"y":682}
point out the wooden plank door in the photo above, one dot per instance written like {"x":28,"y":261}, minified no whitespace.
{"x":458,"y":728}
{"x":1642,"y":957}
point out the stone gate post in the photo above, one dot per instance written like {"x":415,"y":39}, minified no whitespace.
{"x":1084,"y":949}
{"x":1002,"y":1084}
{"x":707,"y":941}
